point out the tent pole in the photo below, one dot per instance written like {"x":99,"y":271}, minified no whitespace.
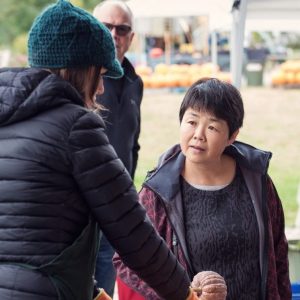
{"x":239,"y":13}
{"x":214,"y":50}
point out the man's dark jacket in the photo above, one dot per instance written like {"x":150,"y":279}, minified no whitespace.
{"x":122,"y":116}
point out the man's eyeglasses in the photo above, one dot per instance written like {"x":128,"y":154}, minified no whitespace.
{"x":121,"y":30}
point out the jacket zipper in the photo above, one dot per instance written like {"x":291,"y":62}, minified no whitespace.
{"x":175,"y":244}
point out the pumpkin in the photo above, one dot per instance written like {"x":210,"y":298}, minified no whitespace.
{"x":224,"y":76}
{"x":290,"y":77}
{"x":278,"y":78}
{"x":143,"y":70}
{"x":161,"y":69}
{"x":146,"y":80}
{"x":297,"y":77}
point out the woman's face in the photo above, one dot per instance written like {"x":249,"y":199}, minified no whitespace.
{"x":203,"y":137}
{"x":100,"y":87}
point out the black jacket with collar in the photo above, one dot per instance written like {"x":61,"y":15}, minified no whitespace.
{"x":57,"y":169}
{"x":122,"y":116}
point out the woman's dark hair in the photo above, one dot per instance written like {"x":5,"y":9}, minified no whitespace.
{"x":220,"y":98}
{"x":84,"y":80}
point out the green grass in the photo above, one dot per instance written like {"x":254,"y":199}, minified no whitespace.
{"x":271,"y":123}
{"x":287,"y":187}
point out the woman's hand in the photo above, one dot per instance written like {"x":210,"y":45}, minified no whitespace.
{"x":102,"y":295}
{"x":209,"y":285}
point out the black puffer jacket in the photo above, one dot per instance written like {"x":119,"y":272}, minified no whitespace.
{"x":57,"y":167}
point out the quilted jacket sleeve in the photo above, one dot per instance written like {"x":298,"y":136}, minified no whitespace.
{"x":157,"y":216}
{"x":109,"y":192}
{"x":279,"y":243}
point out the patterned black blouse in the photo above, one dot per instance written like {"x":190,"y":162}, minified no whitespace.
{"x":222,"y":235}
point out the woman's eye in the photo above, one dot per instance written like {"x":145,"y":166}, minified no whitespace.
{"x":212,"y":128}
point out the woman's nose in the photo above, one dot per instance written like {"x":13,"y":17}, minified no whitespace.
{"x":100,"y":88}
{"x":199,"y":133}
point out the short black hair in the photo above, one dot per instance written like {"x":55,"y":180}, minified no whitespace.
{"x":217,"y":97}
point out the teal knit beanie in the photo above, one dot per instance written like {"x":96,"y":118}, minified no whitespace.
{"x":65,"y":36}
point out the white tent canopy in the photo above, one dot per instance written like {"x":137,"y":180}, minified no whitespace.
{"x":265,"y":15}
{"x":278,"y":10}
{"x":218,"y":11}
{"x":273,"y":15}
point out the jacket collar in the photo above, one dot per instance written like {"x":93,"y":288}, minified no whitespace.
{"x":172,"y":161}
{"x":250,"y":157}
{"x":129,"y":71}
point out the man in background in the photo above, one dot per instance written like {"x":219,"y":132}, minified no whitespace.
{"x":121,"y":100}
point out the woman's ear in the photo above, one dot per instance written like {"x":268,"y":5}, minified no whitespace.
{"x":233,"y":137}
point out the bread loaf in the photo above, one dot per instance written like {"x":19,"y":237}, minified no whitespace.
{"x":209,"y":285}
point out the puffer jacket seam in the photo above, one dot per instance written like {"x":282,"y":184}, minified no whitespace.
{"x":70,"y":131}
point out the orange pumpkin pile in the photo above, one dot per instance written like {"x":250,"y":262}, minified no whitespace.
{"x":288,"y":74}
{"x":175,"y":75}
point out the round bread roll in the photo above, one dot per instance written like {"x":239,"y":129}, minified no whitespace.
{"x":209,"y":285}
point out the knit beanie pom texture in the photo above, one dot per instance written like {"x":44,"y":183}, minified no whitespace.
{"x":65,"y":36}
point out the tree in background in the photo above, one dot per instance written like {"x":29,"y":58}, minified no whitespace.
{"x":17,"y":16}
